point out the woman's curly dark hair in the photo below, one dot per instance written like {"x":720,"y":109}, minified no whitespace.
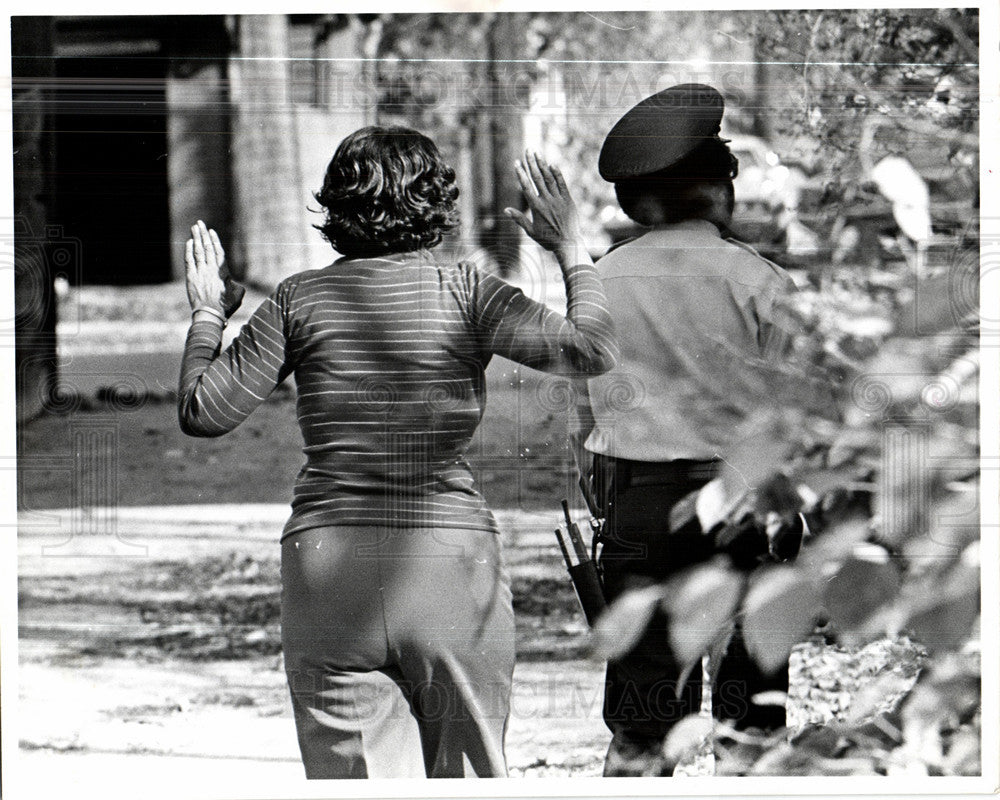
{"x":387,"y":190}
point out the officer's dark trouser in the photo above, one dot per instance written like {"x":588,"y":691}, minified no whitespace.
{"x":399,"y":651}
{"x":641,"y":702}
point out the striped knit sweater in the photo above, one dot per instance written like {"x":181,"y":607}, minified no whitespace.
{"x":389,"y":357}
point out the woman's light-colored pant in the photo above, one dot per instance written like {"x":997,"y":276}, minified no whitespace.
{"x":399,"y":651}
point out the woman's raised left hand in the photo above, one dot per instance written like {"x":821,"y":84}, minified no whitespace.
{"x":209,"y":284}
{"x":554,"y":222}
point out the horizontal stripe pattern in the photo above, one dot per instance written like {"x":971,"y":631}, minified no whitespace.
{"x":389,"y":358}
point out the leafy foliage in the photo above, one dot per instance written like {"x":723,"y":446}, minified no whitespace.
{"x":885,"y":475}
{"x":841,"y":71}
{"x":888,"y":488}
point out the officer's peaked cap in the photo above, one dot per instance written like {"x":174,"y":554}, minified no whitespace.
{"x":660,"y":131}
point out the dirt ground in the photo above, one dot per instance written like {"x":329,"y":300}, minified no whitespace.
{"x":158,"y":636}
{"x":148,"y":571}
{"x":174,"y":651}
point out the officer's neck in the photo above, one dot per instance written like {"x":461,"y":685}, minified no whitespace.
{"x":720,"y":213}
{"x":718,"y":210}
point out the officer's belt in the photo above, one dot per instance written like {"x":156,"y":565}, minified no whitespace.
{"x":681,"y":470}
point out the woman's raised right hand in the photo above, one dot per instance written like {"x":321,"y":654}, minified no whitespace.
{"x":209,"y":284}
{"x":553,"y":221}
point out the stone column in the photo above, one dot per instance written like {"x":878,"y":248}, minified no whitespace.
{"x":269,"y":215}
{"x":198,"y":135}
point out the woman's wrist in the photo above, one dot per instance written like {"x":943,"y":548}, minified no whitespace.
{"x":572,"y":253}
{"x":202,"y":312}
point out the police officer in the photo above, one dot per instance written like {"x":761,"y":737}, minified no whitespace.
{"x":694,"y":315}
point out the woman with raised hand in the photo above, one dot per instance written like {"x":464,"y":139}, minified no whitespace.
{"x":397,"y":623}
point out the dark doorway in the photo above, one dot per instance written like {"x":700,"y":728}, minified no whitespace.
{"x":110,"y":186}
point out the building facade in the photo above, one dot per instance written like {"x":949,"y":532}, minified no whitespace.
{"x":128,"y":129}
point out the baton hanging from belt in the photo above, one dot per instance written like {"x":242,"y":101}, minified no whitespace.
{"x":584,"y":572}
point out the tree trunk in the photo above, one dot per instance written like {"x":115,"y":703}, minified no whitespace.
{"x":198,"y":168}
{"x":509,"y":83}
{"x":761,"y":90}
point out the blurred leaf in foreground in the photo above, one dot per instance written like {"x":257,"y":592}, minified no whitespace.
{"x":944,"y":623}
{"x":860,"y":587}
{"x":780,"y":610}
{"x":686,"y":737}
{"x":700,"y":601}
{"x":622,"y":624}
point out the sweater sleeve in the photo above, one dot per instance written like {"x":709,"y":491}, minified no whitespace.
{"x":219,"y":390}
{"x":514,"y":326}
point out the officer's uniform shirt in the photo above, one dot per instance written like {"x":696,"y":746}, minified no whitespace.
{"x":694,"y":318}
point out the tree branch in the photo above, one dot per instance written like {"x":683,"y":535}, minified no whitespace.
{"x":968,"y":47}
